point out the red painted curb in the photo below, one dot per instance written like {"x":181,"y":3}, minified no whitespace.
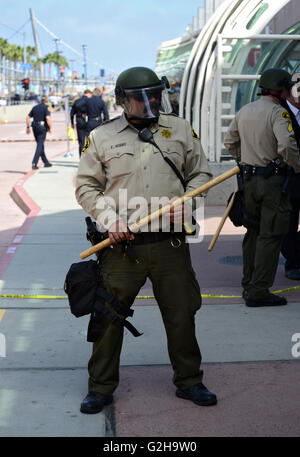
{"x":22,"y":199}
{"x":30,"y":208}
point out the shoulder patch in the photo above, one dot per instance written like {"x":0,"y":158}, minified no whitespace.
{"x":86,"y":146}
{"x":194,"y":135}
{"x":286,"y":115}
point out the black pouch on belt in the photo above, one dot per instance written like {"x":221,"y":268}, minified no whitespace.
{"x":87,"y":295}
{"x":238,"y":215}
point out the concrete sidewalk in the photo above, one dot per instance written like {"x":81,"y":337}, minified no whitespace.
{"x":247,"y":353}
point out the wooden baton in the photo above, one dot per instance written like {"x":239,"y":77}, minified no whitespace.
{"x":156,"y":214}
{"x":222,"y":222}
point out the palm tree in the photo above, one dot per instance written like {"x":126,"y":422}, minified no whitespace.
{"x":3,"y":48}
{"x":62,"y":62}
{"x":30,"y":51}
{"x":44,"y":61}
{"x":17,"y":55}
{"x":59,"y":60}
{"x":49,"y":59}
{"x":36,"y":62}
{"x":8,"y":54}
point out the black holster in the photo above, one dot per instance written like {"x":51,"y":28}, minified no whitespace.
{"x":238,"y":215}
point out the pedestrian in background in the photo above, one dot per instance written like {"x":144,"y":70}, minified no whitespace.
{"x":291,"y":242}
{"x":40,"y":125}
{"x":261,"y":137}
{"x":96,"y":111}
{"x":78,"y":111}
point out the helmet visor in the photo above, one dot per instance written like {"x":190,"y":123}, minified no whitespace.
{"x":146,"y":102}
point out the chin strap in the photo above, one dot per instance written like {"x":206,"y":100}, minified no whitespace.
{"x":146,"y":120}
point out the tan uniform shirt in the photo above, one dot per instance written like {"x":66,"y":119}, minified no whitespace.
{"x":117,"y":159}
{"x":260,"y":132}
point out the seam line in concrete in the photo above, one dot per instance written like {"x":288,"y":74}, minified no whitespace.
{"x":43,"y":369}
{"x":247,"y":362}
{"x":33,"y":307}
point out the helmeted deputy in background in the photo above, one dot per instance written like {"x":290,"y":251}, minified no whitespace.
{"x":41,"y":124}
{"x":291,"y":242}
{"x":261,"y":137}
{"x":78,"y":111}
{"x":117,"y":158}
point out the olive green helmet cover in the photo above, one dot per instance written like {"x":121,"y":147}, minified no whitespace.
{"x":276,"y":79}
{"x":142,"y":84}
{"x":134,"y":78}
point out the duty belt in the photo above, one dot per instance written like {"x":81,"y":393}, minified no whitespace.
{"x":154,"y":237}
{"x":251,"y":170}
{"x":95,"y":118}
{"x":38,"y":123}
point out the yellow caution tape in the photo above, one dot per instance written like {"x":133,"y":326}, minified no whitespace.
{"x":287,"y":290}
{"x":50,"y":297}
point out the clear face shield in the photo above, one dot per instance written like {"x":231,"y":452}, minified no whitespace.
{"x":147,"y":102}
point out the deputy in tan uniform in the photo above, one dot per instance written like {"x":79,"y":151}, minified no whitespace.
{"x":261,"y":137}
{"x":117,"y":167}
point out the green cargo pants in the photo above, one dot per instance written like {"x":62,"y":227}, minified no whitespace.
{"x":261,"y":248}
{"x":178,"y":296}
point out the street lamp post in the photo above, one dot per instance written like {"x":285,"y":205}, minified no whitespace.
{"x":84,"y":48}
{"x":57,"y":40}
{"x":72,"y":68}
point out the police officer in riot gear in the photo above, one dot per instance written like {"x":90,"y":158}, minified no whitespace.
{"x":116,"y":158}
{"x":78,"y":111}
{"x":261,"y":137}
{"x":41,"y":124}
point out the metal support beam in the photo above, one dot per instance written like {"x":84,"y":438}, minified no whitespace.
{"x":36,"y":41}
{"x":84,"y":48}
{"x":266,"y":37}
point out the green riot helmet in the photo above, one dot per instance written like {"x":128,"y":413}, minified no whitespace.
{"x":142,"y":94}
{"x":275,"y":79}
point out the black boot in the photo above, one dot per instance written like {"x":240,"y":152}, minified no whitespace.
{"x":268,"y":300}
{"x":199,"y":394}
{"x":94,"y":402}
{"x":293,"y":274}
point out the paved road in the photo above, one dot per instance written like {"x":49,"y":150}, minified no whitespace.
{"x":247,"y":353}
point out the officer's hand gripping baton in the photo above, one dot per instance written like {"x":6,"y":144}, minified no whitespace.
{"x":165,"y":209}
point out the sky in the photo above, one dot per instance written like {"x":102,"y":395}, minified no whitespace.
{"x":118,"y":33}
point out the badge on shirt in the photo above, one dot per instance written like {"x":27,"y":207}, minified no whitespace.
{"x":194,"y":135}
{"x":166,"y":133}
{"x":86,"y":146}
